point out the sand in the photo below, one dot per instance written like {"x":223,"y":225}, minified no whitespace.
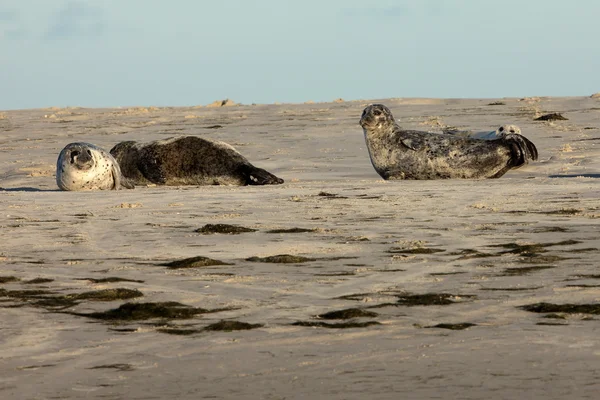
{"x":478,"y":250}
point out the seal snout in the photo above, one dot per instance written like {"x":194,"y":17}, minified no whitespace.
{"x":82,"y":159}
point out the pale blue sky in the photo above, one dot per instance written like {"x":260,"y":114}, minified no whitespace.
{"x":105,"y":53}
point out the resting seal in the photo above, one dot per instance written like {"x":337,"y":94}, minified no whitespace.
{"x":405,"y":154}
{"x":188,"y":160}
{"x":83,"y":166}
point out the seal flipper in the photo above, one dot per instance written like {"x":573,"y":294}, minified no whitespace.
{"x":119,"y":179}
{"x":259,"y":176}
{"x":523,"y":149}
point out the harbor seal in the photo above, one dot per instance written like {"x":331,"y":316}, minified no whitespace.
{"x":83,"y":166}
{"x":487,"y":135}
{"x":406,"y":154}
{"x":188,"y":160}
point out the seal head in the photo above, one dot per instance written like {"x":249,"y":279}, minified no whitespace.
{"x":84,"y":166}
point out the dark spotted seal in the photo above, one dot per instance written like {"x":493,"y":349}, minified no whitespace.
{"x":188,"y":160}
{"x":405,"y":154}
{"x":83,"y":166}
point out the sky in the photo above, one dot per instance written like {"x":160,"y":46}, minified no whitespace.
{"x":111,"y":53}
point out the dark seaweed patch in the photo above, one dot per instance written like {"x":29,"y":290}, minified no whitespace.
{"x":348,"y":313}
{"x":555,"y":316}
{"x":454,"y":327}
{"x":124,"y":330}
{"x":550,"y":229}
{"x":497,"y":103}
{"x":551,"y":117}
{"x":524,"y":270}
{"x":562,"y":308}
{"x":529,"y":248}
{"x":429,"y":299}
{"x":417,"y":250}
{"x":119,"y":367}
{"x":343,"y":273}
{"x":467,"y":254}
{"x":24,"y":294}
{"x":291,"y":230}
{"x":341,"y":325}
{"x":281,"y":259}
{"x":106,"y":295}
{"x":356,"y":296}
{"x":562,"y":211}
{"x":583,"y":286}
{"x":551,"y":323}
{"x":587,"y":276}
{"x":210,"y":229}
{"x":145,"y":311}
{"x":179,"y":331}
{"x":193,"y":262}
{"x":213,"y":127}
{"x":330,"y":195}
{"x":447,"y":273}
{"x":37,"y":281}
{"x":584,"y":250}
{"x":110,"y":279}
{"x":512,"y":289}
{"x":7,"y":279}
{"x":228,"y":326}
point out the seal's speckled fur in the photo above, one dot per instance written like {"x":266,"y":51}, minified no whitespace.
{"x":188,"y":160}
{"x":405,"y":154}
{"x":83,"y":166}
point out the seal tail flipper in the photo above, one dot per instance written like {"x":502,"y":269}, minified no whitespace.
{"x":523,"y":149}
{"x":258,"y":176}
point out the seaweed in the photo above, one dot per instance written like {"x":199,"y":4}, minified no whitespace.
{"x":341,"y":325}
{"x":193,"y":262}
{"x":210,"y":229}
{"x":348,"y":313}
{"x":562,"y":308}
{"x":281,"y":259}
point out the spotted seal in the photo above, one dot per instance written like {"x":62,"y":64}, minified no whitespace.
{"x":188,"y":160}
{"x":84,"y":166}
{"x":397,"y":153}
{"x":487,"y":135}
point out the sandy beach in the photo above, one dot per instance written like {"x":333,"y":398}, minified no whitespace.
{"x":450,"y":289}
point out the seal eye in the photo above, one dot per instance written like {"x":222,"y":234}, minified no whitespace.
{"x":501,"y":129}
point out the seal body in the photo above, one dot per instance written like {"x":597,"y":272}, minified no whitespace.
{"x":84,"y":166}
{"x":188,"y":160}
{"x":407,"y":154}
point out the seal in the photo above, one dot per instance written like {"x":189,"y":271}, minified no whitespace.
{"x":487,"y":135}
{"x":407,"y":154}
{"x":84,"y":166}
{"x":188,"y":160}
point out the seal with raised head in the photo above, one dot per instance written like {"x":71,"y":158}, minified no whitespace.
{"x":487,"y":135}
{"x":84,"y":166}
{"x":397,"y":153}
{"x":188,"y":160}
